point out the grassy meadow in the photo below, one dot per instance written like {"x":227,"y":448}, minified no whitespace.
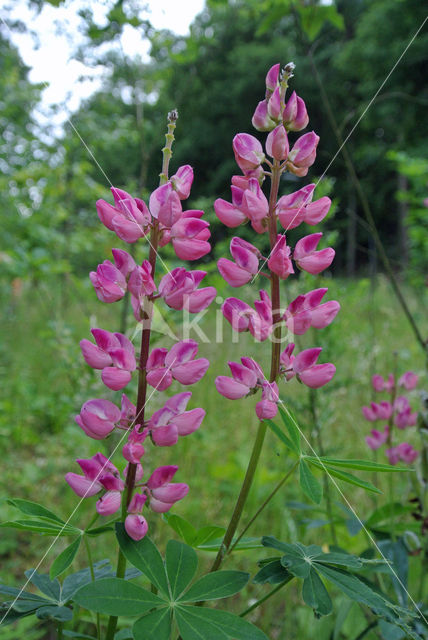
{"x":45,"y":381}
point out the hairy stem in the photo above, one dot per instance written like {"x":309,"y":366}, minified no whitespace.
{"x":276,"y":348}
{"x":144,"y":354}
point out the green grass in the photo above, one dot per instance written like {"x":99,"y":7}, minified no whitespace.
{"x":45,"y":381}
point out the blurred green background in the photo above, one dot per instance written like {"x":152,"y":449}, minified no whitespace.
{"x":51,"y":239}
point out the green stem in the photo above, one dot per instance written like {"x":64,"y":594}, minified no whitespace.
{"x":274,"y":371}
{"x":265,"y":503}
{"x":91,"y":569}
{"x":266,"y":597}
{"x":144,"y":354}
{"x":59,"y":629}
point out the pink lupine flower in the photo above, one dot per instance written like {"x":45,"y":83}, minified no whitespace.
{"x":277,"y":146}
{"x":248,"y":152}
{"x":298,"y":207}
{"x":165,"y":205}
{"x":279,"y":261}
{"x":237,"y":313}
{"x":138,"y":472}
{"x":272,"y":77}
{"x":377,"y":438}
{"x":377,"y":411}
{"x":98,"y":418}
{"x":172,"y":421}
{"x":379,"y":384}
{"x":179,"y":289}
{"x":260,"y":322}
{"x":94,"y":469}
{"x":109,"y":503}
{"x":182,"y":181}
{"x":114,"y":354}
{"x":404,"y":451}
{"x":228,"y":213}
{"x":127,"y":413}
{"x":246,"y":263}
{"x":267,"y":407}
{"x":255,"y":205}
{"x":404,"y":416}
{"x":408,"y":380}
{"x":133,"y":450}
{"x":307,"y":311}
{"x":274,"y":104}
{"x":303,"y":153}
{"x":295,"y":115}
{"x":124,"y":262}
{"x":130,"y":218}
{"x":261,"y":119}
{"x":135,"y":524}
{"x":303,"y":365}
{"x":242,"y":383}
{"x":163,"y":492}
{"x":311,"y":374}
{"x":179,"y":364}
{"x":310,"y":260}
{"x":109,"y":283}
{"x":189,"y":237}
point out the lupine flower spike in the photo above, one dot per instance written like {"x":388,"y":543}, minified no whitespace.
{"x":164,"y":221}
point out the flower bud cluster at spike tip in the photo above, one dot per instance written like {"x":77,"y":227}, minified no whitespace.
{"x":165,"y":222}
{"x":280,"y":116}
{"x":397,"y":412}
{"x":131,"y":219}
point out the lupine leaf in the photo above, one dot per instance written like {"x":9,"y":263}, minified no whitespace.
{"x":273,"y":573}
{"x":156,"y":625}
{"x":182,"y":527}
{"x":14,"y":591}
{"x":291,"y":425}
{"x":309,"y":484}
{"x":281,"y":435}
{"x":244,"y":544}
{"x":50,"y":588}
{"x":213,"y":586}
{"x":343,"y":475}
{"x":48,"y":527}
{"x":74,"y":581}
{"x":124,"y":634}
{"x":197,"y":623}
{"x":145,"y":556}
{"x":361,"y":465}
{"x":62,"y":614}
{"x":388,"y":511}
{"x":181,"y":564}
{"x":33,"y":509}
{"x":207,"y":534}
{"x":65,"y":558}
{"x":315,"y":594}
{"x":116,"y":597}
{"x":22,"y":604}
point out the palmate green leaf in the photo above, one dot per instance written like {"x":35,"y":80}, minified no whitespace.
{"x":14,"y":592}
{"x":315,"y":594}
{"x":181,"y":564}
{"x":309,"y":484}
{"x":361,"y":465}
{"x":213,"y":586}
{"x":23,"y":605}
{"x":281,"y":435}
{"x":33,"y":509}
{"x":65,"y":558}
{"x":346,"y":477}
{"x":145,"y":556}
{"x":73,"y":582}
{"x":182,"y":527}
{"x":50,"y":588}
{"x":156,"y":625}
{"x":116,"y":597}
{"x":52,"y":612}
{"x":273,"y":573}
{"x":207,"y":534}
{"x":197,"y":623}
{"x":291,"y":425}
{"x":42,"y":525}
